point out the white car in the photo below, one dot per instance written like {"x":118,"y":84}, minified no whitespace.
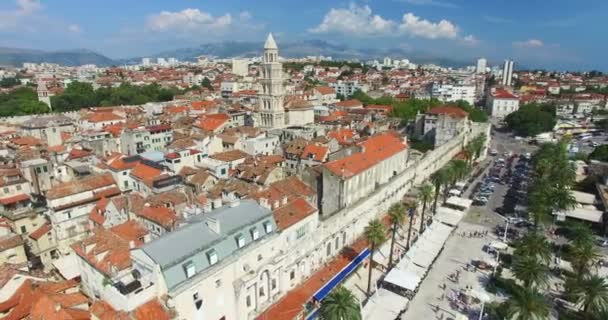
{"x":595,"y":144}
{"x":493,"y":152}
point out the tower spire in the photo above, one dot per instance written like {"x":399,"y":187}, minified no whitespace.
{"x":270,"y":43}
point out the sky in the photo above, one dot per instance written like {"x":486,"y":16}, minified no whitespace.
{"x":557,"y":34}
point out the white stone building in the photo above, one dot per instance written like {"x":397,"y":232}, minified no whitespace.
{"x":501,"y":103}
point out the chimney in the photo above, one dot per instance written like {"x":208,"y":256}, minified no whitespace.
{"x":57,"y":307}
{"x":213,"y":224}
{"x":131,"y":244}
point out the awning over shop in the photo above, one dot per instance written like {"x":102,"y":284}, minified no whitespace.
{"x":384,"y":304}
{"x":338,"y":278}
{"x":449,"y":216}
{"x":403,"y":279}
{"x":460,"y":203}
{"x":587,"y":214}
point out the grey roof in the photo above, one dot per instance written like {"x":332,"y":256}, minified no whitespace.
{"x":47,"y":121}
{"x":193,"y":242}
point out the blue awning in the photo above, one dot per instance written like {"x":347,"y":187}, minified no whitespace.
{"x":338,"y":278}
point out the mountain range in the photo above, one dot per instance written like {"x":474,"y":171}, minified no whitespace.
{"x":226,"y":49}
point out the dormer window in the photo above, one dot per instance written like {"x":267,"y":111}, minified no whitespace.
{"x":255,"y":234}
{"x":212,"y":256}
{"x":189,"y":269}
{"x":268,"y":227}
{"x":240,"y":241}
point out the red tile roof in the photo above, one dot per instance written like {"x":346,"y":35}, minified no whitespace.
{"x":451,"y":111}
{"x":315,"y":152}
{"x":353,"y":103}
{"x":105,"y":251}
{"x":292,"y":213}
{"x":212,"y":122}
{"x":503,"y":94}
{"x":325,"y":90}
{"x":87,"y":184}
{"x":151,"y":310}
{"x":375,"y":150}
{"x":163,"y":216}
{"x":14,"y":199}
{"x":343,"y":135}
{"x":102,"y":117}
{"x":131,"y":230}
{"x":145,"y":172}
{"x":38,"y":233}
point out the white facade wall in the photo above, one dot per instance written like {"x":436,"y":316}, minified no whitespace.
{"x":500,"y":108}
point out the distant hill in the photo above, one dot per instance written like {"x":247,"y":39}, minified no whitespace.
{"x":225,"y":49}
{"x":16,"y":57}
{"x":296,"y":49}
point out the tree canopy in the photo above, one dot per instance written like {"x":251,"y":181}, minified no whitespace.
{"x":82,"y":95}
{"x":22,"y":101}
{"x":532,"y":119}
{"x":600,"y":153}
{"x":9,"y":82}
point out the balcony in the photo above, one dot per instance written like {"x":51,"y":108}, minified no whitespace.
{"x":129,"y":293}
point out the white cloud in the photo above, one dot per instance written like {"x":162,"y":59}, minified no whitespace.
{"x":434,"y":3}
{"x":470,"y":40}
{"x":532,"y":43}
{"x":26,"y":7}
{"x":354,"y":20}
{"x":417,"y":27}
{"x":74,"y":28}
{"x":187,"y":20}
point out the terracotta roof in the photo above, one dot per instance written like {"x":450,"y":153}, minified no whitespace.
{"x":105,"y":251}
{"x":10,"y":241}
{"x":292,"y":213}
{"x":131,"y":230}
{"x":27,"y":141}
{"x":15,"y":199}
{"x":325,"y":90}
{"x":503,"y":94}
{"x":173,"y":198}
{"x":383,"y":108}
{"x":38,"y":233}
{"x":375,"y":150}
{"x":119,"y":164}
{"x":343,"y":135}
{"x":145,"y":172}
{"x":204,"y":104}
{"x":229,"y":156}
{"x":102,"y":117}
{"x":451,"y":111}
{"x":212,"y":122}
{"x":151,"y":310}
{"x":103,"y":311}
{"x":90,"y":183}
{"x":163,"y":216}
{"x":315,"y":152}
{"x":45,"y":300}
{"x":353,"y":103}
{"x":293,"y":187}
{"x":78,"y":154}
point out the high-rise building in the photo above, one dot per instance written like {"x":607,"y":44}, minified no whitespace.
{"x":482,"y":64}
{"x":507,"y":73}
{"x":240,"y":67}
{"x":145,"y":62}
{"x":271,"y":111}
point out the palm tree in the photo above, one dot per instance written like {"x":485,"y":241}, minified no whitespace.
{"x":533,"y":245}
{"x":449,"y":175}
{"x":340,"y":304}
{"x":527,"y":304}
{"x":580,"y":234}
{"x":591,"y":293}
{"x":583,"y":258}
{"x":460,"y":169}
{"x":426,"y":195}
{"x":411,"y":211}
{"x":375,"y":233}
{"x":397,"y":215}
{"x":530,"y":271}
{"x":438,"y":178}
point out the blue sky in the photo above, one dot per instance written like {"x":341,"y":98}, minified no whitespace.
{"x":565,"y":34}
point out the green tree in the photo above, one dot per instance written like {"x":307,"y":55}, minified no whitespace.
{"x":397,"y":214}
{"x":425,"y":196}
{"x":206,"y":83}
{"x":583,"y":258}
{"x":375,"y":233}
{"x":532,"y":119}
{"x":22,"y":101}
{"x":533,"y":245}
{"x":591,"y":294}
{"x":340,"y":304}
{"x":527,"y":304}
{"x":600,"y":153}
{"x":411,"y":209}
{"x":9,"y":82}
{"x":530,"y":271}
{"x":438,"y":178}
{"x":580,"y":234}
